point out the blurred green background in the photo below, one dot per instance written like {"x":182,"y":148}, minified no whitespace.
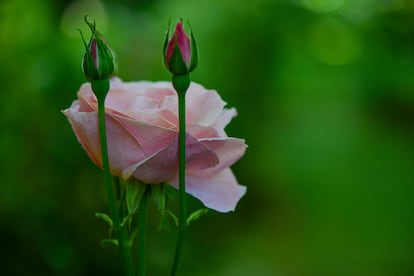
{"x":325,"y":95}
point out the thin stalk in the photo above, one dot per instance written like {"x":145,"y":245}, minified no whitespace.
{"x":120,"y":232}
{"x":181,"y":175}
{"x":142,"y":233}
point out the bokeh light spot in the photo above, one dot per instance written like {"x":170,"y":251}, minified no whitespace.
{"x":323,"y":5}
{"x":333,"y":43}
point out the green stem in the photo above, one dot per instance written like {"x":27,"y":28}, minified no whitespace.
{"x":181,"y":84}
{"x":142,"y":233}
{"x":101,"y":88}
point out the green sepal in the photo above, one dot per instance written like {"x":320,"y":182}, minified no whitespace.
{"x":106,"y":66}
{"x":194,"y":51}
{"x":106,"y":242}
{"x":196,"y":215}
{"x":134,"y":192}
{"x":88,"y":66}
{"x":105,"y":218}
{"x":166,"y":40}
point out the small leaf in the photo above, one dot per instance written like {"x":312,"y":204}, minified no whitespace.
{"x":174,"y":217}
{"x":106,"y":242}
{"x":105,"y":218}
{"x":127,"y":220}
{"x":196,"y":215}
{"x":134,"y":234}
{"x":162,"y":223}
{"x":158,"y":193}
{"x":134,"y":192}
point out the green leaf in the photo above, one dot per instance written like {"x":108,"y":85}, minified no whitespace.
{"x":196,"y":215}
{"x":106,"y":242}
{"x":134,"y":192}
{"x":105,"y":218}
{"x":127,"y":220}
{"x":174,"y":217}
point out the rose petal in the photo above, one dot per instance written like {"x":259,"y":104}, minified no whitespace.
{"x":157,"y":168}
{"x":123,"y":149}
{"x":151,"y":137}
{"x":163,"y":165}
{"x":203,"y":106}
{"x":201,"y":132}
{"x":198,"y":156}
{"x":228,"y":150}
{"x":151,"y":90}
{"x":87,"y":100}
{"x":223,"y":120}
{"x":79,"y":122}
{"x":220,"y":192}
{"x":158,"y":118}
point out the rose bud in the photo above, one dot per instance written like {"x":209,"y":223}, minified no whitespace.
{"x":180,"y":51}
{"x":98,"y":60}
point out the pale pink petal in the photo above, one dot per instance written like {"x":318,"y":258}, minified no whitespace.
{"x":220,"y":192}
{"x":160,"y":118}
{"x":121,"y":100}
{"x":162,"y":166}
{"x":223,"y":120}
{"x":203,"y":106}
{"x":198,"y":156}
{"x":157,"y":168}
{"x":81,"y":121}
{"x":170,"y":103}
{"x":228,"y":150}
{"x":87,"y":100}
{"x":152,"y":90}
{"x":151,"y":137}
{"x":128,"y":96}
{"x":201,"y":132}
{"x":123,"y":149}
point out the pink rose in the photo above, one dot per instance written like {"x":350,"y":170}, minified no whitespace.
{"x":142,"y":134}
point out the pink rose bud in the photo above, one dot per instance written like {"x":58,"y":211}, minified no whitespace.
{"x":98,"y":60}
{"x":180,"y":51}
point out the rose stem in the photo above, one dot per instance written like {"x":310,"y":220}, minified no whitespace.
{"x":101,"y":88}
{"x":143,"y":207}
{"x":181,"y":84}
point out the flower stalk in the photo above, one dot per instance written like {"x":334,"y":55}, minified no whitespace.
{"x":98,"y":66}
{"x":181,"y":84}
{"x":180,"y":58}
{"x":142,"y":232}
{"x":101,"y":88}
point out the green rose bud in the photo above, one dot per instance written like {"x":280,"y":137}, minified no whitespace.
{"x":98,"y":60}
{"x":180,"y":51}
